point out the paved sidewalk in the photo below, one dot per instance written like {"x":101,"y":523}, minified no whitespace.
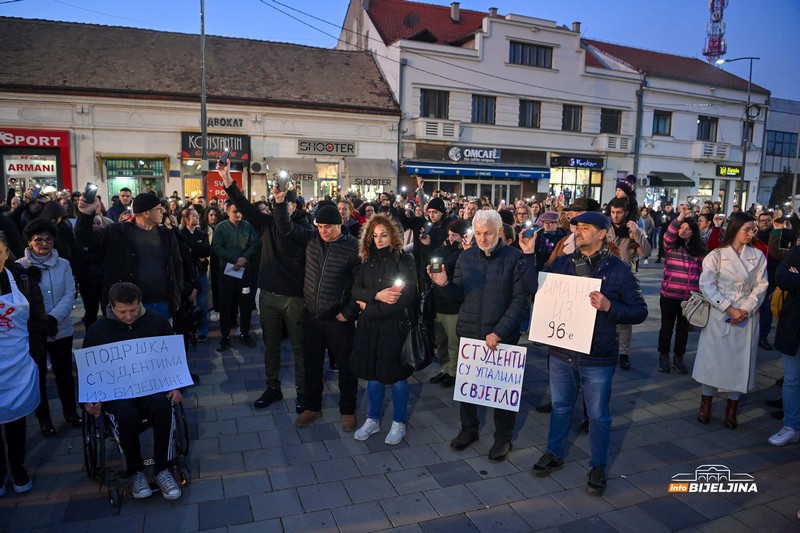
{"x":254,"y":471}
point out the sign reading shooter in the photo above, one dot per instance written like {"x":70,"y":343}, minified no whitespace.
{"x":563,"y":316}
{"x":132,"y":368}
{"x":490,"y":377}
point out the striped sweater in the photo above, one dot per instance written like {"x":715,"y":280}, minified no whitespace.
{"x":681,"y":270}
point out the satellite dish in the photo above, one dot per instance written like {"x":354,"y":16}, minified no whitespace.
{"x":411,"y":20}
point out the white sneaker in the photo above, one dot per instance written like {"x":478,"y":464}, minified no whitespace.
{"x":370,"y":427}
{"x":166,"y":483}
{"x":784,"y":436}
{"x":645,"y":261}
{"x":140,"y":488}
{"x":396,"y":434}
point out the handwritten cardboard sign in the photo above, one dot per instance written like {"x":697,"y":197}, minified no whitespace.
{"x":132,"y":368}
{"x":562,"y":315}
{"x":490,"y":377}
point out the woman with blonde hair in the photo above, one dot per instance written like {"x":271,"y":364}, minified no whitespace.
{"x":384,"y":287}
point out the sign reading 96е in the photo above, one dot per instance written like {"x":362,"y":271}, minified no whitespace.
{"x":490,"y":377}
{"x":131,"y":369}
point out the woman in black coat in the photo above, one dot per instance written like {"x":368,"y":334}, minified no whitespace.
{"x":385,"y":286}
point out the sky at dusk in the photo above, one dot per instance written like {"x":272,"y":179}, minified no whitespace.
{"x":764,"y":29}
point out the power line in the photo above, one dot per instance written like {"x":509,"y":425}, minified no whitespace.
{"x":99,"y":12}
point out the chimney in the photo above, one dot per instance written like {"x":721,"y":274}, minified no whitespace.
{"x":576,"y":27}
{"x":493,"y":12}
{"x":454,"y":15}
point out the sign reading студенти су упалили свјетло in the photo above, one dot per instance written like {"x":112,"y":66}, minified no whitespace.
{"x":131,"y":368}
{"x":490,"y":377}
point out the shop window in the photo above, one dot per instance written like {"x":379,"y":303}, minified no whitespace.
{"x":483,"y":108}
{"x":571,"y":117}
{"x":610,"y":121}
{"x":529,"y":113}
{"x":434,"y":104}
{"x":530,"y":55}
{"x":707,"y":128}
{"x":705,"y":189}
{"x":662,"y":122}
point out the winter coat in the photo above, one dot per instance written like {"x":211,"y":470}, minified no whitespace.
{"x":382,"y":328}
{"x":110,"y":329}
{"x":545,"y":244}
{"x":629,"y":250}
{"x":58,"y":290}
{"x":490,"y":291}
{"x":449,"y":254}
{"x":331,"y":268}
{"x":787,"y":336}
{"x":681,"y":269}
{"x":622,"y":289}
{"x":726,"y":354}
{"x":234,"y":241}
{"x":201,"y":249}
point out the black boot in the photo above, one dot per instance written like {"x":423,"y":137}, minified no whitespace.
{"x":663,"y":363}
{"x":677,"y":364}
{"x":704,"y":416}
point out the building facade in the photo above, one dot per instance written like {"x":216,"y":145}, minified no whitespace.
{"x":780,"y":148}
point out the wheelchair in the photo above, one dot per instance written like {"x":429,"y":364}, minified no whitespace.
{"x":97,"y":431}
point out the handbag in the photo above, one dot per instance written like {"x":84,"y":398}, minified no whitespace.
{"x":696,"y":310}
{"x":417,"y":350}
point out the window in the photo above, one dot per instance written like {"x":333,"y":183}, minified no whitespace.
{"x":529,"y":113}
{"x":662,"y":122}
{"x":531,"y":55}
{"x":483,"y":109}
{"x":610,"y":121}
{"x":781,"y":143}
{"x":433,"y":104}
{"x":571,"y":117}
{"x":707,"y":128}
{"x":748,"y":131}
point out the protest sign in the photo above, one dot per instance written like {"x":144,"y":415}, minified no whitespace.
{"x":490,"y":377}
{"x":563,"y":315}
{"x":131,"y":368}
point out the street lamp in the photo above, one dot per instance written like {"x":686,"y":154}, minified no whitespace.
{"x":746,"y":130}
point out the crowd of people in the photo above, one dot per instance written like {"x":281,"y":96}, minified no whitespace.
{"x":341,"y":278}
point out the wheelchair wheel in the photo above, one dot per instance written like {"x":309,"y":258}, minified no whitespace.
{"x":114,"y":497}
{"x":181,"y":431}
{"x":182,"y":474}
{"x":94,"y":450}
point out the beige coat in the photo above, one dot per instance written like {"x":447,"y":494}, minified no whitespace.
{"x":726,"y":355}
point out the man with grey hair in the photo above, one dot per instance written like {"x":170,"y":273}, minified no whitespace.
{"x":488,"y":285}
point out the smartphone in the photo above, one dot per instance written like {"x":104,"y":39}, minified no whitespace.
{"x":530,"y":231}
{"x":90,"y":193}
{"x":36,"y":192}
{"x":397,"y":286}
{"x":223,"y":161}
{"x":436,"y":264}
{"x":282,"y":181}
{"x":741,"y":324}
{"x":427,"y":231}
{"x":469,"y":236}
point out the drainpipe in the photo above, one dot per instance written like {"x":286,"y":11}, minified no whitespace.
{"x":637,"y":139}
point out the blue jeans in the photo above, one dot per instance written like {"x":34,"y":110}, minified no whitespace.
{"x":202,"y":303}
{"x":565,"y":380}
{"x":791,"y":391}
{"x":375,"y":394}
{"x":708,"y":390}
{"x":161,"y":308}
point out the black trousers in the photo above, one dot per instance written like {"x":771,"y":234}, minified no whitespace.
{"x":15,"y":440}
{"x":672,"y":319}
{"x":90,"y":294}
{"x":337,"y":338}
{"x":503,"y":421}
{"x":231,"y":299}
{"x":126,"y":416}
{"x":60,"y":352}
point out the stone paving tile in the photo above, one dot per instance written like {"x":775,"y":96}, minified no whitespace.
{"x":177,"y":519}
{"x":262,"y":459}
{"x":595,"y":524}
{"x":412,"y":480}
{"x":321,"y":432}
{"x":318,"y":522}
{"x":726,"y":524}
{"x":762,"y":518}
{"x":275,"y":504}
{"x":673,"y":513}
{"x":453,"y":500}
{"x":361,"y":517}
{"x":531,"y":485}
{"x":131,"y":524}
{"x":501,"y":518}
{"x":376,"y":487}
{"x":621,"y":493}
{"x":217,"y":465}
{"x":417,"y":436}
{"x":227,"y":512}
{"x":306,"y":453}
{"x":283,"y":477}
{"x":203,"y":490}
{"x":542,"y":511}
{"x":572,"y":475}
{"x":450,"y":524}
{"x":495,"y":491}
{"x":377,"y":463}
{"x":408,"y":509}
{"x":88,"y":507}
{"x":338,"y":447}
{"x":487,"y":468}
{"x":634,"y":520}
{"x":453,"y":473}
{"x":580,"y":503}
{"x":415,"y":456}
{"x":245,"y":484}
{"x":255,"y":527}
{"x":323,"y":496}
{"x":652,"y":482}
{"x":260,"y":422}
{"x":335,"y":469}
{"x":39,"y":514}
{"x":788,"y":506}
{"x":239,"y":443}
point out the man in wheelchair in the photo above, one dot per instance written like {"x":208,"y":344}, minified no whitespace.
{"x":126,"y":319}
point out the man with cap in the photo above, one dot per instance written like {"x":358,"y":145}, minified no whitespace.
{"x":619,"y":301}
{"x":143,"y":252}
{"x":330,"y":311}
{"x":548,"y":237}
{"x":567,"y":244}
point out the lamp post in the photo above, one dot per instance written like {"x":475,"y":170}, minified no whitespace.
{"x":746,"y":130}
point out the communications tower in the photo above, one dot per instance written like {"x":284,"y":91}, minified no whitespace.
{"x":715,"y":31}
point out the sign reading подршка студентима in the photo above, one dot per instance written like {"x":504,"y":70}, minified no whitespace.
{"x":131,"y":368}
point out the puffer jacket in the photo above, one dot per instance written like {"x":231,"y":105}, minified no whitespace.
{"x":331,"y":268}
{"x":382,"y":328}
{"x":681,"y":269}
{"x":58,"y":289}
{"x":787,"y":336}
{"x":489,"y":289}
{"x":449,"y":254}
{"x":622,"y":288}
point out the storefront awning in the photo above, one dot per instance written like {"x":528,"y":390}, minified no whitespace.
{"x":370,"y":168}
{"x":476,"y":171}
{"x":670,"y":179}
{"x":293,"y":165}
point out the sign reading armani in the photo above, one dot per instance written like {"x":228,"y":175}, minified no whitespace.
{"x":472,"y":154}
{"x":191,"y":146}
{"x":323,"y":147}
{"x":576,"y":162}
{"x":729,"y":170}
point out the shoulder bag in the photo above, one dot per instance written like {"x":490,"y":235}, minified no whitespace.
{"x":696,"y":310}
{"x":417,"y":350}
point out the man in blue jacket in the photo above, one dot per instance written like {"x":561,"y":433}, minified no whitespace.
{"x":619,"y":301}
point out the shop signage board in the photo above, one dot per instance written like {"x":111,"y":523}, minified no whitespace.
{"x":134,"y":168}
{"x":50,"y":142}
{"x":474,"y":154}
{"x":576,"y":162}
{"x":225,"y":122}
{"x":192,"y":146}
{"x":38,"y":167}
{"x":729,"y":171}
{"x":326,"y":147}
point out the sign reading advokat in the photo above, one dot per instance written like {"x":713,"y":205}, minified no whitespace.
{"x":490,"y":377}
{"x":131,"y":369}
{"x":563,"y":315}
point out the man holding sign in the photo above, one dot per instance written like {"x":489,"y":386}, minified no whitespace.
{"x":126,"y":319}
{"x":619,"y":301}
{"x":487,"y":283}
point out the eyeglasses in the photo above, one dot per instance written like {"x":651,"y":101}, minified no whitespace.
{"x":43,"y":240}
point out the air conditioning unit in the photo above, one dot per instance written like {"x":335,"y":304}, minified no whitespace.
{"x":644,"y":181}
{"x":258,"y":168}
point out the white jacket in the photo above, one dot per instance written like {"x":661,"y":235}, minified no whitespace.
{"x":58,"y":289}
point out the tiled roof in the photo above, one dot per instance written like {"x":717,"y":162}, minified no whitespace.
{"x":60,"y":57}
{"x":672,"y":66}
{"x":401,"y":19}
